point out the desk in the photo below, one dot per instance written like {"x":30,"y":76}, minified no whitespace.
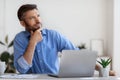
{"x":46,"y":77}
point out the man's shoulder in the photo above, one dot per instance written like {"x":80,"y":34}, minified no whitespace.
{"x":53,"y":33}
{"x":21,"y":34}
{"x":50,"y":31}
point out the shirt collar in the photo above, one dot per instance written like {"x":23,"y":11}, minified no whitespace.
{"x":27,"y":34}
{"x":43,"y":32}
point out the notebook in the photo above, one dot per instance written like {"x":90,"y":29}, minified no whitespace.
{"x":77,"y":63}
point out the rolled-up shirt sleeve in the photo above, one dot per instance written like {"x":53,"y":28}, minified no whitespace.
{"x":23,"y":63}
{"x":19,"y":62}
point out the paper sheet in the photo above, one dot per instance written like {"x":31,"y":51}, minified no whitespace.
{"x":26,"y":76}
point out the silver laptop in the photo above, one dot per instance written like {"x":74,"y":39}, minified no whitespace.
{"x":77,"y":63}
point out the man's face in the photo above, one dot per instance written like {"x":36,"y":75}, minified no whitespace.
{"x":32,"y":20}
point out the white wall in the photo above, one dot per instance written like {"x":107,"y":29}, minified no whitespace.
{"x":79,"y":20}
{"x":110,"y":27}
{"x":113,"y":34}
{"x":116,"y":37}
{"x":2,"y":29}
{"x":2,"y":23}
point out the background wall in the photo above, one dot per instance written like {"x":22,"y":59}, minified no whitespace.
{"x":116,"y":36}
{"x":79,"y":20}
{"x":2,"y":23}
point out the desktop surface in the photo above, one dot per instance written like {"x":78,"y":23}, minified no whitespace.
{"x":46,"y":77}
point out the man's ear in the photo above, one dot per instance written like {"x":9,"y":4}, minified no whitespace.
{"x":22,"y":23}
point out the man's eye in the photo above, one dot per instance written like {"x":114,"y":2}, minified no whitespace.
{"x":38,"y":15}
{"x":31,"y":18}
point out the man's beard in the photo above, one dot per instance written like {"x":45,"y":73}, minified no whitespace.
{"x":34,"y":27}
{"x":37,"y":26}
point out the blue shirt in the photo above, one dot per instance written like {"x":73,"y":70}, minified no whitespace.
{"x":45,"y":59}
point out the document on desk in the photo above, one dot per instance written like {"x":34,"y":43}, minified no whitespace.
{"x":25,"y":76}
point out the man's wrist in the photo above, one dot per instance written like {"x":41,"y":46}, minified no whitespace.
{"x":32,"y":42}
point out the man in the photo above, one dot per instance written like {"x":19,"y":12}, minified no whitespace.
{"x":35,"y":49}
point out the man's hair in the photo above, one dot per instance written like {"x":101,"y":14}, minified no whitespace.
{"x":24,"y":8}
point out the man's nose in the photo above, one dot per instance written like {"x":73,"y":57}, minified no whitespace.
{"x":38,"y":20}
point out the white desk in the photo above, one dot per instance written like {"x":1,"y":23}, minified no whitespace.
{"x":46,"y":77}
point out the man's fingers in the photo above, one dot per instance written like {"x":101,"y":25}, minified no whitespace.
{"x":38,"y":29}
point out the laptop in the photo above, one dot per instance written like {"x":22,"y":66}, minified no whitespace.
{"x":76,"y":63}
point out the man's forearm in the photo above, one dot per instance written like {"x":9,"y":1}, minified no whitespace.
{"x":28,"y":55}
{"x":34,"y":39}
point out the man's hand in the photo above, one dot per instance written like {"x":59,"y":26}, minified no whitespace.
{"x":36,"y":36}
